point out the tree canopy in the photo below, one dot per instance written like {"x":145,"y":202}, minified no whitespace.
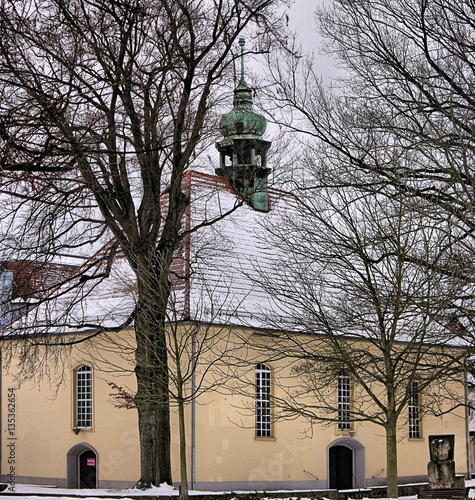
{"x":103,"y":107}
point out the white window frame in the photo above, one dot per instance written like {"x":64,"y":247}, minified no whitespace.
{"x":344,"y":402}
{"x":83,"y":397}
{"x":263,"y":401}
{"x":414,"y":411}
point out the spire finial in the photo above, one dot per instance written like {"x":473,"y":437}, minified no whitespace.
{"x":241,"y":43}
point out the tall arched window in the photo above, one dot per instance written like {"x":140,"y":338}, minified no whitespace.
{"x":344,"y":401}
{"x":83,"y":397}
{"x":414,"y":418}
{"x":263,"y":410}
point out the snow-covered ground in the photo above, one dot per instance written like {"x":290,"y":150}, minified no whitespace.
{"x":85,"y":494}
{"x":29,"y":492}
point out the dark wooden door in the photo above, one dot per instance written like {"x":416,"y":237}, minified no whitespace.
{"x":341,"y":468}
{"x":87,"y":469}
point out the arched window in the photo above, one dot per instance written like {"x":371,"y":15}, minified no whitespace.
{"x":263,"y":410}
{"x":83,"y":397}
{"x":344,"y":401}
{"x":413,"y":406}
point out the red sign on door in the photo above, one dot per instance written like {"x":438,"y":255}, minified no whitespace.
{"x":91,"y":462}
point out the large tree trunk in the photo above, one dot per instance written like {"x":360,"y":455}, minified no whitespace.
{"x":153,"y":392}
{"x":152,"y":398}
{"x":154,"y":432}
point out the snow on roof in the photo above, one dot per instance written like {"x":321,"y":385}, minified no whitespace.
{"x":216,"y":274}
{"x":212,"y":272}
{"x":81,"y":303}
{"x":227,"y":255}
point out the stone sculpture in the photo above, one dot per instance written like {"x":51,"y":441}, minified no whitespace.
{"x":441,"y":468}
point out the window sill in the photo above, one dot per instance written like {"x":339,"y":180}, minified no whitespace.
{"x":264,"y":438}
{"x":416,"y":439}
{"x":345,"y":432}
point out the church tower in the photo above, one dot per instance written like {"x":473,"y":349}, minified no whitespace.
{"x":243,"y":151}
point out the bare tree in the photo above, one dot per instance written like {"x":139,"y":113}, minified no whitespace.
{"x":415,"y":67}
{"x":399,"y":121}
{"x":361,"y":308}
{"x":104,"y":105}
{"x":203,"y":356}
{"x":407,"y":70}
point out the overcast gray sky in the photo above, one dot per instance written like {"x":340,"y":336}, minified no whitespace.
{"x":302,"y":21}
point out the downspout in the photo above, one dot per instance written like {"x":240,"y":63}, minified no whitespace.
{"x":193,"y":410}
{"x":1,"y":409}
{"x":467,"y":428}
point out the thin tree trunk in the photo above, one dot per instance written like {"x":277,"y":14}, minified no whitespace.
{"x":391,"y":459}
{"x":183,"y":471}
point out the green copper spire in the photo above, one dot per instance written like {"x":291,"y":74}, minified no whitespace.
{"x":243,"y":151}
{"x":242,"y":120}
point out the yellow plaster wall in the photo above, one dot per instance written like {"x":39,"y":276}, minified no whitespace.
{"x":44,"y":419}
{"x":226,"y":449}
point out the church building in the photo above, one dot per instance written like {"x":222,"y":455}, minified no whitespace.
{"x":67,"y":414}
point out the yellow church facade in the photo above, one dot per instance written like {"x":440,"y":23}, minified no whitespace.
{"x":75,"y":434}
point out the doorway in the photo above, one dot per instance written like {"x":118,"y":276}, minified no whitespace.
{"x":87,"y":469}
{"x":341,"y":467}
{"x":82,"y":466}
{"x":338,"y":460}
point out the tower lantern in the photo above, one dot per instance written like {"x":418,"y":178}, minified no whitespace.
{"x":243,"y":151}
